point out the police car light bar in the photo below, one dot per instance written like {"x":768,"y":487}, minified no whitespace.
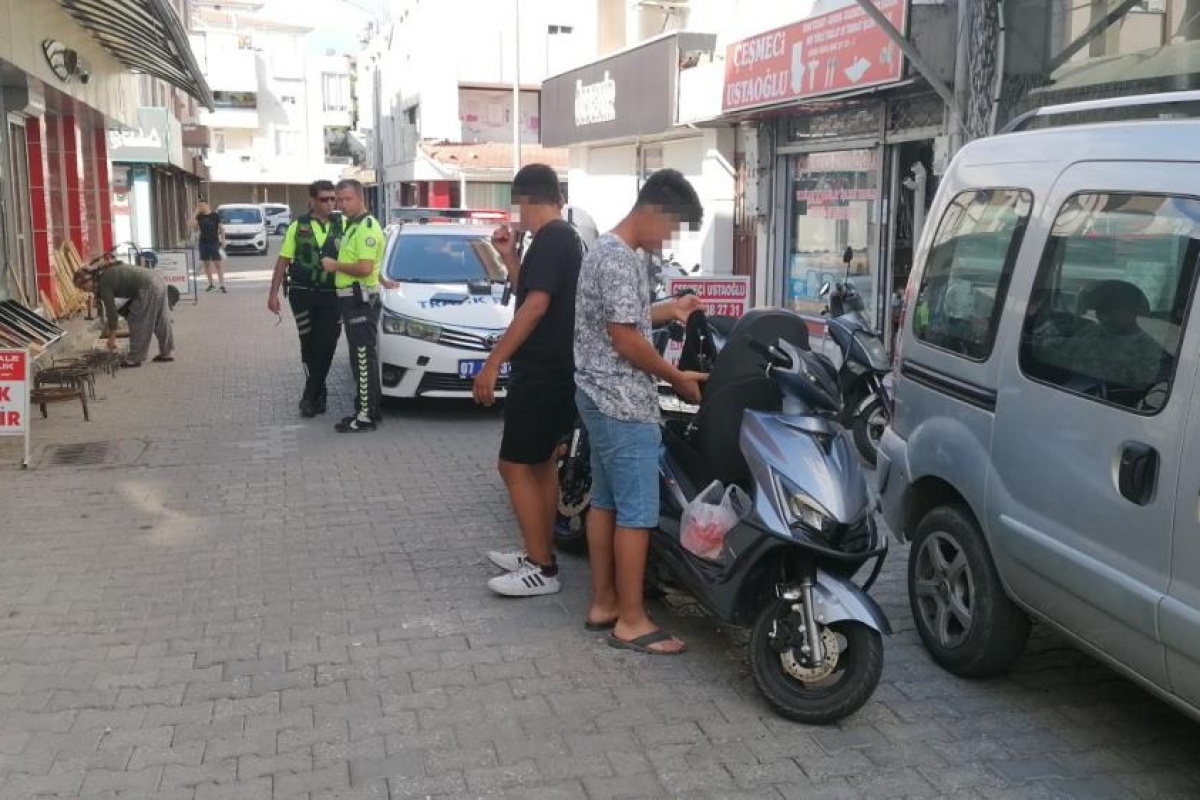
{"x":461,"y":215}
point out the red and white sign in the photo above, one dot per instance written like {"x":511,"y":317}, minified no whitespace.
{"x":14,"y":392}
{"x":838,"y":51}
{"x":723,"y":296}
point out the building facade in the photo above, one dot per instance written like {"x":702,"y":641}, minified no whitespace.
{"x":445,"y":123}
{"x":283,"y":116}
{"x":65,"y":79}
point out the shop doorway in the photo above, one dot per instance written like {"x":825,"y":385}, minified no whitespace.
{"x":913,"y":186}
{"x":19,"y":243}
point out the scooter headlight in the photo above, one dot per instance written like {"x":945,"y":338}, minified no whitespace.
{"x":803,"y":511}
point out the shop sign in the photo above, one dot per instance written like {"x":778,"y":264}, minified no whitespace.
{"x":176,"y":267}
{"x":14,"y":395}
{"x":146,"y":144}
{"x":838,"y":51}
{"x":722,"y":295}
{"x":630,"y":94}
{"x":595,"y":102}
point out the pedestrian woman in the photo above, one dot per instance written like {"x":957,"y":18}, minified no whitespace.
{"x":149,"y":311}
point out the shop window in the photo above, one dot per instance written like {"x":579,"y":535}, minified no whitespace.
{"x":968,"y":269}
{"x":488,"y":196}
{"x":834,"y":201}
{"x":1108,"y":309}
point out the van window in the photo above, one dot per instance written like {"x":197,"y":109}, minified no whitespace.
{"x":1108,"y":310}
{"x":967,"y":272}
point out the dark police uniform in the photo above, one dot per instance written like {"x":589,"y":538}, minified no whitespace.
{"x":362,"y":240}
{"x":314,"y":301}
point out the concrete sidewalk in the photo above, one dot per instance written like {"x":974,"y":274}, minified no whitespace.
{"x":236,"y":603}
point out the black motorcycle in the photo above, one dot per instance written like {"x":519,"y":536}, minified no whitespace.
{"x":866,"y":407}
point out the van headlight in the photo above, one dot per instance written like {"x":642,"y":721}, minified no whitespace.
{"x":802,"y":510}
{"x":398,"y":325}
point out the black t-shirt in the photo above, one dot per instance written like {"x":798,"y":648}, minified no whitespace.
{"x":209,"y":224}
{"x":551,"y":265}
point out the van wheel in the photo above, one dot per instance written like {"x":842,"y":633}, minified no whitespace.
{"x":963,"y":616}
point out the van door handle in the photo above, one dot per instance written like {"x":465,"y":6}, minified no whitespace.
{"x":1138,"y":475}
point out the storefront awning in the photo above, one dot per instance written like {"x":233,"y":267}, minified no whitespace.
{"x":146,"y":36}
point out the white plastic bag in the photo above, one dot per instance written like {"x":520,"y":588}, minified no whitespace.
{"x":710,"y":516}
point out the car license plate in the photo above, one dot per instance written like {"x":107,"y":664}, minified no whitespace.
{"x":469,"y":369}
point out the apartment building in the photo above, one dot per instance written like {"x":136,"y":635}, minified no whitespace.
{"x":445,"y":113}
{"x":283,"y":116}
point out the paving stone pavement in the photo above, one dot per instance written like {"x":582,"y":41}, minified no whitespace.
{"x":242,"y":604}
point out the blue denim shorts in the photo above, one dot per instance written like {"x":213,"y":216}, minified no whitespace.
{"x":624,"y":465}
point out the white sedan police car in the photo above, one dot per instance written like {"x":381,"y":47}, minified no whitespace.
{"x":438,"y":327}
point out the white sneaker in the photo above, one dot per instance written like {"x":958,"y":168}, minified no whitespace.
{"x":508,"y":561}
{"x":528,"y":581}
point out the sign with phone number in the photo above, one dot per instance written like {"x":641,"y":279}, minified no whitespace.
{"x":724,"y":296}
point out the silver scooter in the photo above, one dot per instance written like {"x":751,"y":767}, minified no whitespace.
{"x":768,"y":424}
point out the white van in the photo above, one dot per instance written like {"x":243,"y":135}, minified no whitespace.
{"x":245,"y":227}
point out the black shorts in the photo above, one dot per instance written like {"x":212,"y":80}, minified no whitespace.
{"x":210,"y":252}
{"x":539,"y":411}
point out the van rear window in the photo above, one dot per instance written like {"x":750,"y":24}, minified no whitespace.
{"x":968,"y":270}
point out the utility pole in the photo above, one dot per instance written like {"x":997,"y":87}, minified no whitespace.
{"x":516,"y":113}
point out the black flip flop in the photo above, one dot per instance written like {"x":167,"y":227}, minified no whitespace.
{"x":642,"y":644}
{"x":128,"y":365}
{"x":599,"y":627}
{"x":163,"y":359}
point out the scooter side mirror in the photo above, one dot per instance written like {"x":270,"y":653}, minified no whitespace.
{"x":824,"y":289}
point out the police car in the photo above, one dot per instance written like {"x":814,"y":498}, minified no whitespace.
{"x":439,"y":325}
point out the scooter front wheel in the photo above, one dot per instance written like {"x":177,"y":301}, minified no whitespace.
{"x":869,"y":426}
{"x":814,"y":694}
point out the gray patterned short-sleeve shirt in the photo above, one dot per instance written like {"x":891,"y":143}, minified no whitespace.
{"x":614,"y":286}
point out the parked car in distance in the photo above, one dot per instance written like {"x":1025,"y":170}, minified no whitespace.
{"x":438,"y":327}
{"x":278,"y":217}
{"x":245,"y":227}
{"x":1044,"y":455}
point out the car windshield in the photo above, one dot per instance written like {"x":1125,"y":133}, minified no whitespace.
{"x":433,"y":258}
{"x":240,"y":216}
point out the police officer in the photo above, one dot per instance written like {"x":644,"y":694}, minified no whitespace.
{"x":310,"y":290}
{"x":358,"y":281}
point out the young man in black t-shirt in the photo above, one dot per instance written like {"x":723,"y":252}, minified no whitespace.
{"x":540,"y":406}
{"x":211,"y":237}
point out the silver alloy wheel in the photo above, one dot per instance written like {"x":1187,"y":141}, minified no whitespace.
{"x":944,"y":589}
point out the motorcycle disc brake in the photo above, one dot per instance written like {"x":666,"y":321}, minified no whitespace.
{"x":821,"y":671}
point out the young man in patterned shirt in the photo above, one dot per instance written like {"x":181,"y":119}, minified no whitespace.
{"x":616,"y":368}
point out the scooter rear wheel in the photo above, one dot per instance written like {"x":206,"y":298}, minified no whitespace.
{"x":814,"y":695}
